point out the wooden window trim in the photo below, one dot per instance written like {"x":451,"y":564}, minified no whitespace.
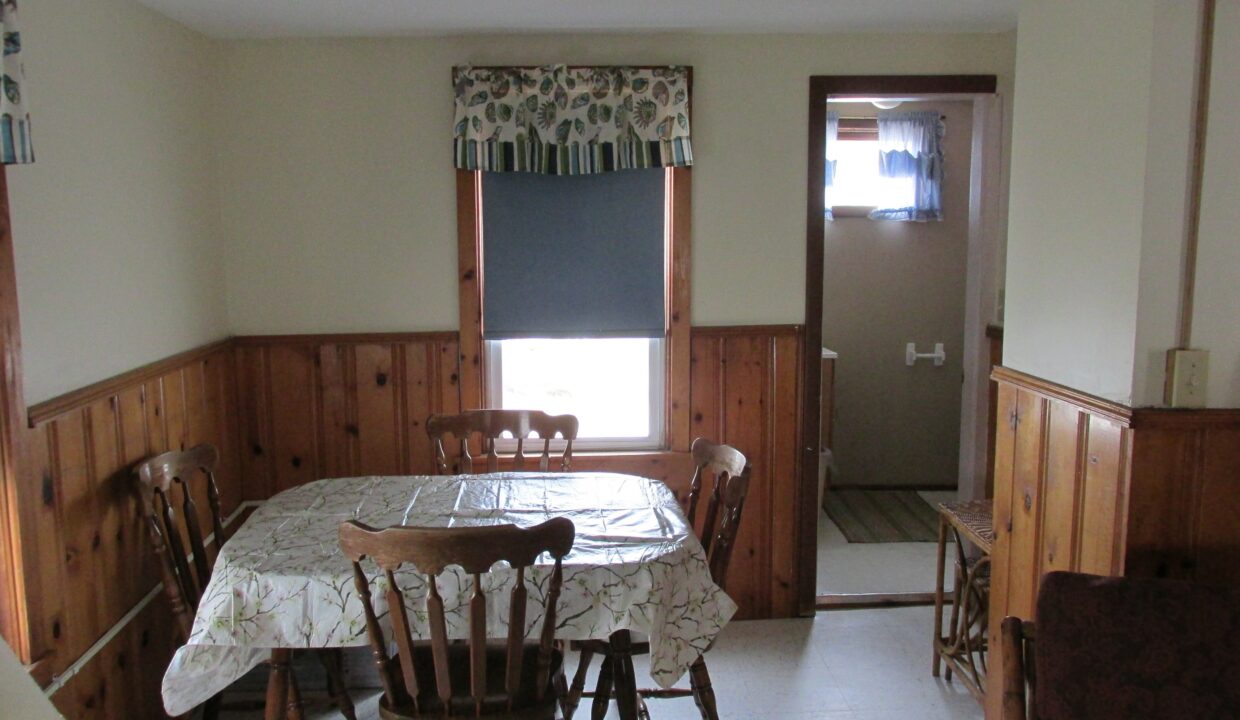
{"x":677,"y":317}
{"x":17,"y":588}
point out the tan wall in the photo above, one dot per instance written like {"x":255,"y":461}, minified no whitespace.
{"x":338,"y":195}
{"x":886,"y":284}
{"x":115,"y":226}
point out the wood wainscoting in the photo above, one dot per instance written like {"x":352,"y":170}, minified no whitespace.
{"x":340,"y":405}
{"x":286,"y":410}
{"x":94,"y":564}
{"x":1088,"y":485}
{"x":745,"y":391}
{"x":319,"y":406}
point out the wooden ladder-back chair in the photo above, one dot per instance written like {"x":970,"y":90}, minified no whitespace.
{"x":519,"y":679}
{"x":720,"y":525}
{"x":1121,"y":648}
{"x":173,"y":523}
{"x":490,"y":426}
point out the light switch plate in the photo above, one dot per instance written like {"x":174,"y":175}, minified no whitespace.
{"x":1187,"y":374}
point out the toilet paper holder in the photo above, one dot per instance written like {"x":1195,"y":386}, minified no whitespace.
{"x":911,"y":355}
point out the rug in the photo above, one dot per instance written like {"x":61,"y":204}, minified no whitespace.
{"x":882,"y":516}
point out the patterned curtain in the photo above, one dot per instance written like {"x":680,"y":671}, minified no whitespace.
{"x":558,"y":120}
{"x":15,"y":147}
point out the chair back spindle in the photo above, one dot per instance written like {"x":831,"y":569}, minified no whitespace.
{"x":475,"y":550}
{"x":185,"y":573}
{"x":727,"y":503}
{"x":731,"y":472}
{"x":483,"y":428}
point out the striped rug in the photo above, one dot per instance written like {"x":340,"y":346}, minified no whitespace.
{"x":882,"y":516}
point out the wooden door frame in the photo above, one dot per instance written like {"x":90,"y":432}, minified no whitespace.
{"x":822,"y":87}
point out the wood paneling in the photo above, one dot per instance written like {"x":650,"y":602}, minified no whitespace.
{"x":337,"y":406}
{"x":745,"y":393}
{"x":92,"y":556}
{"x":123,"y":679}
{"x":285,"y":410}
{"x":1185,"y":495}
{"x":1086,"y":485}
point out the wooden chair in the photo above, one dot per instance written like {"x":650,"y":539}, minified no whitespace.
{"x":722,"y":520}
{"x":186,"y":574}
{"x":1123,"y":648}
{"x":491,"y":425}
{"x":518,"y":679}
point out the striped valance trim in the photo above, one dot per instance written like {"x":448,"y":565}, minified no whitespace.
{"x":570,"y":159}
{"x":15,"y":147}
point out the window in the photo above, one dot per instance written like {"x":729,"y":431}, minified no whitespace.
{"x":613,"y":385}
{"x":857,"y":182}
{"x":574,"y":298}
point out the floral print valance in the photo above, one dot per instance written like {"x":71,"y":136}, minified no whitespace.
{"x":15,"y":144}
{"x":560,"y":120}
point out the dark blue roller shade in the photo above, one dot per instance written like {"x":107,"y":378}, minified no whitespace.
{"x":573,"y":256}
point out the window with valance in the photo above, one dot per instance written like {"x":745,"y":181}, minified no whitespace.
{"x":575,"y":239}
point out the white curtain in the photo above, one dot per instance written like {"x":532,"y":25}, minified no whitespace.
{"x":910,"y":145}
{"x":833,"y":133}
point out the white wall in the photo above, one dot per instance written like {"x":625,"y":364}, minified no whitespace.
{"x":115,"y":226}
{"x":1099,"y":168}
{"x":338,"y":192}
{"x":1216,"y":310}
{"x":22,"y":696}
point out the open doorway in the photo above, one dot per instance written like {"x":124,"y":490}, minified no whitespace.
{"x":897,"y":438}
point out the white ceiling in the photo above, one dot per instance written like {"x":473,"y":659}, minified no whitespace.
{"x":325,"y":18}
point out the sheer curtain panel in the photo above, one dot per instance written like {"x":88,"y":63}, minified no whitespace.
{"x":910,"y":145}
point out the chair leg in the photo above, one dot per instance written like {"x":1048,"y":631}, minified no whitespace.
{"x":703,"y":693}
{"x":643,"y":712}
{"x":625,"y":682}
{"x":573,"y":698}
{"x":211,"y":708}
{"x":295,"y":709}
{"x":333,"y":663}
{"x":278,"y":685}
{"x":602,"y":693}
{"x":560,"y":683}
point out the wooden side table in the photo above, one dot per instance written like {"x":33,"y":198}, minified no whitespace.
{"x":964,"y":646}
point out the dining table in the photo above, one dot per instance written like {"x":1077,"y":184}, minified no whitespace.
{"x":281,"y":583}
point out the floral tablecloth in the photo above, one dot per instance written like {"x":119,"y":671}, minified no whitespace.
{"x":281,"y":580}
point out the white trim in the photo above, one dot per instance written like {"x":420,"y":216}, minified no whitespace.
{"x":60,"y":680}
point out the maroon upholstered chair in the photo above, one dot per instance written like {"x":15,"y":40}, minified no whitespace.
{"x":1124,"y":649}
